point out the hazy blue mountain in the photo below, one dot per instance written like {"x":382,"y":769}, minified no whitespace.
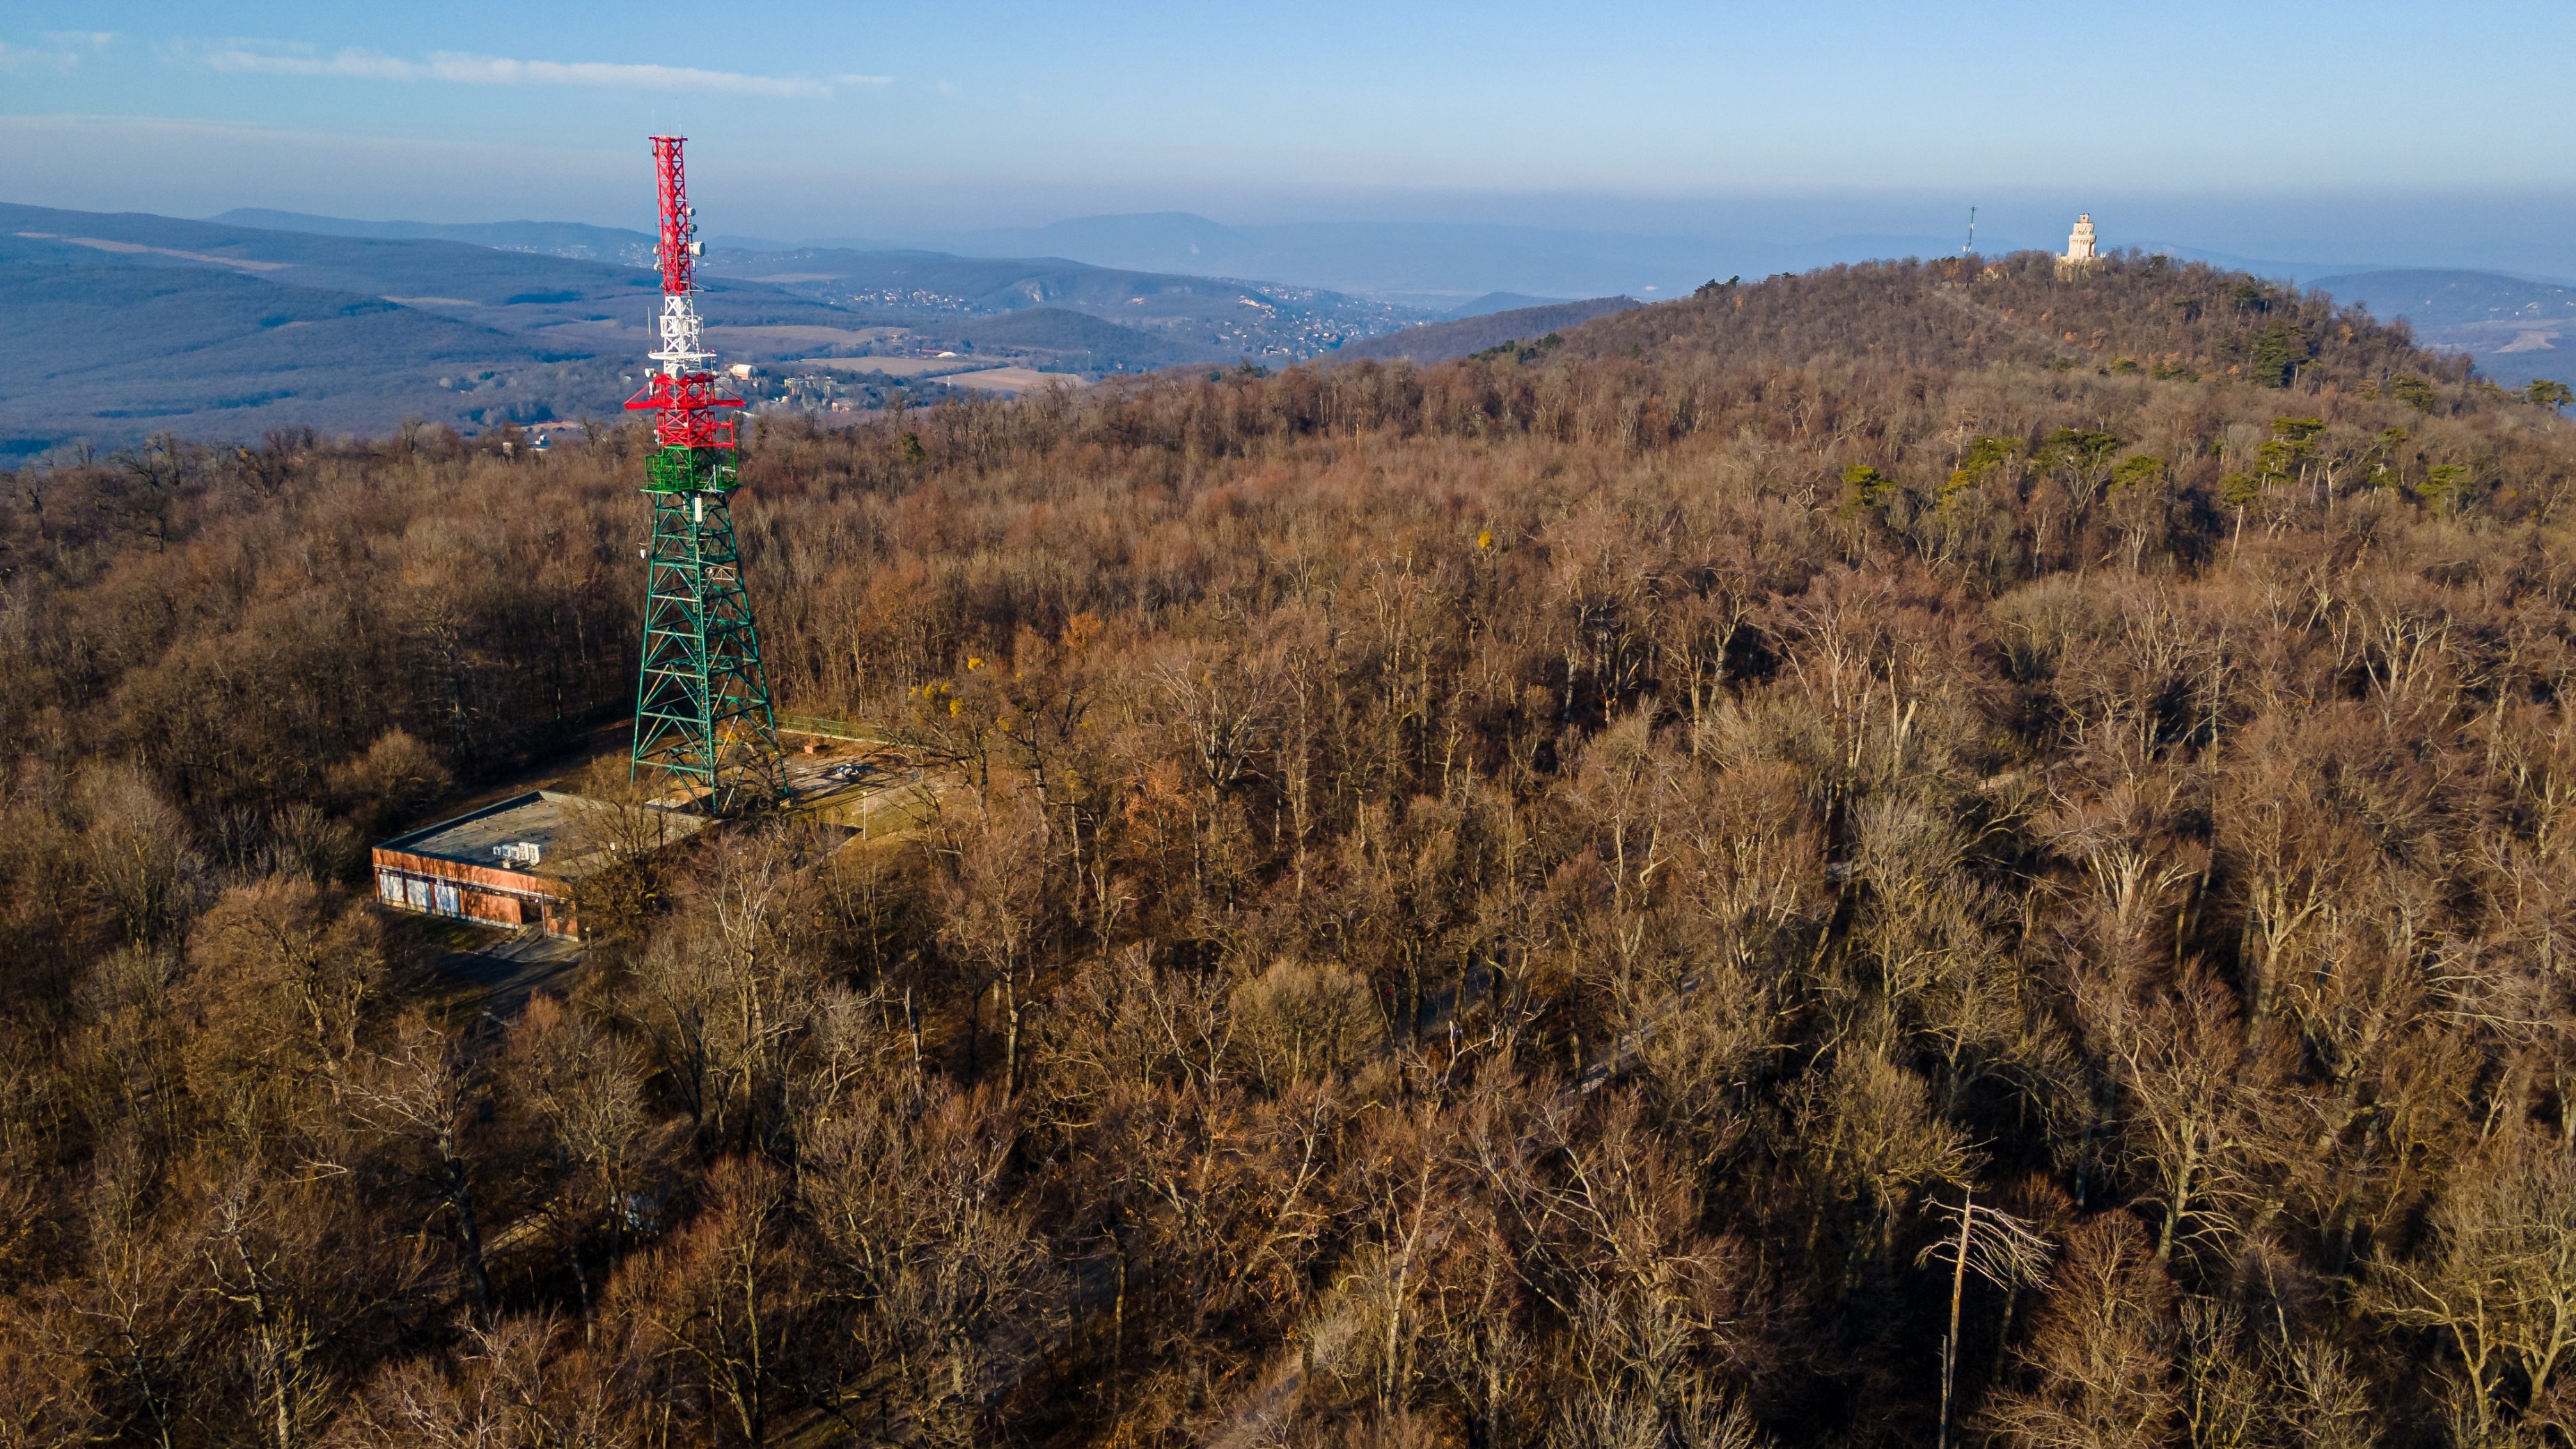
{"x":1434,"y":265}
{"x":217,"y":329}
{"x":1204,"y":317}
{"x":1501,"y":302}
{"x":572,"y":239}
{"x":1440,"y":341}
{"x":829,"y":243}
{"x":2516,"y":328}
{"x":2298,"y":273}
{"x":436,"y":272}
{"x":1073,"y":340}
{"x":1172,"y":241}
{"x":1200,"y":316}
{"x":2430,"y":298}
{"x":128,"y":349}
{"x":223,"y":329}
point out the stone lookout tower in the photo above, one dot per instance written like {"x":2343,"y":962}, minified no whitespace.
{"x":2081,"y":250}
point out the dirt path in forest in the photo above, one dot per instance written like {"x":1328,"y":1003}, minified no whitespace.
{"x":1265,"y":1411}
{"x":1979,"y":312}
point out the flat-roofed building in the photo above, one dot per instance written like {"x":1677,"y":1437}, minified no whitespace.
{"x":515,"y":863}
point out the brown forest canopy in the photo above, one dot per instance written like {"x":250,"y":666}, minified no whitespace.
{"x":1507,"y":903}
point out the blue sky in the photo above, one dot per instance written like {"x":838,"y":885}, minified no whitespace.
{"x":866,"y":119}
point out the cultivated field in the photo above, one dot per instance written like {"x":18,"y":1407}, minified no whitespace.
{"x":1011,"y":380}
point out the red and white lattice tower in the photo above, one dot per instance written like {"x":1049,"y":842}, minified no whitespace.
{"x":682,"y":389}
{"x":703,"y":724}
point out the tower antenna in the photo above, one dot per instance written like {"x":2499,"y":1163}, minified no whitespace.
{"x":703,"y":723}
{"x":1971,"y":248}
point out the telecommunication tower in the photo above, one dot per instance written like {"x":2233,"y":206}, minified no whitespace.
{"x":702,"y":717}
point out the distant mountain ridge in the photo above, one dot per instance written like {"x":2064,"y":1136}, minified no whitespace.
{"x":227,"y":328}
{"x":1190,"y":315}
{"x":2431,"y":297}
{"x":1206,"y":316}
{"x":1441,"y":341}
{"x":2518,"y":329}
{"x":1437,"y":266}
{"x":1502,"y":302}
{"x":1433,"y":265}
{"x":577,"y":240}
{"x":133,"y":348}
{"x":260,"y":318}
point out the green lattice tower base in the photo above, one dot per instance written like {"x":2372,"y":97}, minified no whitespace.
{"x":703,"y":723}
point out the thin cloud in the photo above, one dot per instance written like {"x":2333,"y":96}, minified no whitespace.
{"x":458,"y":68}
{"x":61,"y":51}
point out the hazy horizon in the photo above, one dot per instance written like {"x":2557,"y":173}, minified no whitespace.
{"x":1853,"y":120}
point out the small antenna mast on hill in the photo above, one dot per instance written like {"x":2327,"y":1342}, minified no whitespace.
{"x":1971,"y":247}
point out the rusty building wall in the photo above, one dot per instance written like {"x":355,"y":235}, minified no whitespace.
{"x":474,"y":892}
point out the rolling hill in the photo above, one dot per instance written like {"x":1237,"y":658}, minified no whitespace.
{"x":131,"y":349}
{"x":1201,"y":317}
{"x":257,"y":319}
{"x":1435,"y":265}
{"x":2517,"y":329}
{"x":223,"y":328}
{"x":572,"y":239}
{"x":1194,"y":317}
{"x":1440,"y":341}
{"x":1074,"y":340}
{"x":1501,"y":302}
{"x":150,"y":323}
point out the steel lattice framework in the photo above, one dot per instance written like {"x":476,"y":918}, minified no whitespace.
{"x":702,"y":715}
